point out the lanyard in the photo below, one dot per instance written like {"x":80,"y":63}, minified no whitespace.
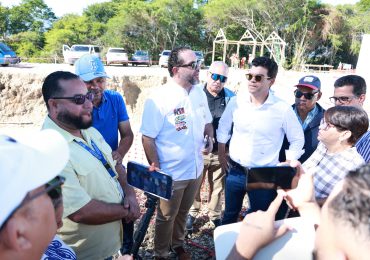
{"x":98,"y":155}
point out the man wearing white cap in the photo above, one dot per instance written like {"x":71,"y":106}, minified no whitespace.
{"x":96,"y":195}
{"x":27,"y":217}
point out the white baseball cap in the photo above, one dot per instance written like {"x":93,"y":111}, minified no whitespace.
{"x":27,"y":163}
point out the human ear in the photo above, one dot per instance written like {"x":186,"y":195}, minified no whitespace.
{"x":16,"y":235}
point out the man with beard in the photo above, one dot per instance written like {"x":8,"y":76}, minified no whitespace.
{"x":309,"y":114}
{"x":176,"y":121}
{"x":109,"y":117}
{"x":96,"y":197}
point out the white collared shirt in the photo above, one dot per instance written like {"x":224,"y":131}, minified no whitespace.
{"x":176,"y":120}
{"x":258,"y":131}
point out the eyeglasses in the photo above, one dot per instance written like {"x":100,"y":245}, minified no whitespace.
{"x":79,"y":99}
{"x":324,"y":125}
{"x":257,"y":77}
{"x":216,"y":77}
{"x":342,"y":100}
{"x":194,"y":65}
{"x":53,"y":189}
{"x":308,"y":96}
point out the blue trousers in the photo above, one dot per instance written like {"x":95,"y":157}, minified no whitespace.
{"x":235,"y":190}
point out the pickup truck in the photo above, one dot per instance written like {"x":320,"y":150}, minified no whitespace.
{"x":73,"y":53}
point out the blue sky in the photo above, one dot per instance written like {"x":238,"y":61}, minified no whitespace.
{"x":61,"y":7}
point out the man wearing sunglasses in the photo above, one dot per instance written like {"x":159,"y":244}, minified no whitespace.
{"x":350,"y":90}
{"x":309,"y":114}
{"x":109,"y":117}
{"x":175,"y":121}
{"x":218,"y":97}
{"x":259,"y":121}
{"x":27,"y":217}
{"x":95,"y":194}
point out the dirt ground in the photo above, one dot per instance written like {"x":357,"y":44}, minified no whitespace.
{"x":22,"y":110}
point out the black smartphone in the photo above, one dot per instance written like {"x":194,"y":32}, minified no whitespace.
{"x":156,"y":183}
{"x":280,"y":176}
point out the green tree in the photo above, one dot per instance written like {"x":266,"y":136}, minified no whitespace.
{"x":101,"y":12}
{"x":4,"y":20}
{"x":72,"y":29}
{"x":296,"y":21}
{"x":155,"y":25}
{"x":30,"y":15}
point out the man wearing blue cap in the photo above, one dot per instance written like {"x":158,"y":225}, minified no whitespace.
{"x":109,"y":115}
{"x":309,"y":114}
{"x":109,"y":112}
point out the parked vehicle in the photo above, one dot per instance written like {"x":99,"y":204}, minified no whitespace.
{"x":163,"y":58}
{"x":140,"y":58}
{"x":7,"y":55}
{"x":117,"y":56}
{"x":200,"y":57}
{"x":71,"y":54}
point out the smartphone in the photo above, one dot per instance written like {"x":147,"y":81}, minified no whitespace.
{"x":279,"y":176}
{"x":155,"y":183}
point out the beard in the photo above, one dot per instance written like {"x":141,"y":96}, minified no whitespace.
{"x":194,"y":80}
{"x":75,"y":121}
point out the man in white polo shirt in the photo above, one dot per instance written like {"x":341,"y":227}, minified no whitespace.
{"x":175,"y":121}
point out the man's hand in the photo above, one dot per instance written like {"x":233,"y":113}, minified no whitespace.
{"x":208,"y":145}
{"x":130,"y":203}
{"x":257,"y":230}
{"x":222,"y":158}
{"x":117,"y":157}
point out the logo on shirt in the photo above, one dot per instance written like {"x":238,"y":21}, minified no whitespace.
{"x":180,"y":118}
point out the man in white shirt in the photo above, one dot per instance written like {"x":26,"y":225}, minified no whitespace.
{"x":259,"y":120}
{"x":175,"y":121}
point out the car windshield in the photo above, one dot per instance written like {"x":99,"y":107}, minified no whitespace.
{"x":166,"y":53}
{"x":80,"y":48}
{"x":141,"y":53}
{"x":4,"y":47}
{"x":117,"y":50}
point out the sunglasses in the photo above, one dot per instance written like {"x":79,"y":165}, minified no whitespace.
{"x":52,"y":188}
{"x":194,"y":65}
{"x":257,"y":77}
{"x":216,"y":77}
{"x":79,"y":99}
{"x":308,"y":96}
{"x":342,"y":100}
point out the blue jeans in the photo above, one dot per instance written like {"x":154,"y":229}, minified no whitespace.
{"x":235,"y":190}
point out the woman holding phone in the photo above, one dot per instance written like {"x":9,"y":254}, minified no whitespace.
{"x":336,"y":155}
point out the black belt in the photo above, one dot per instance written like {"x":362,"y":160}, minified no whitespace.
{"x":237,"y":166}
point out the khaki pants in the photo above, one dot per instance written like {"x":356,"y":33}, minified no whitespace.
{"x":171,"y":216}
{"x":216,"y":179}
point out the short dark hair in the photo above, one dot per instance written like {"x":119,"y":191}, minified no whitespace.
{"x":350,"y":118}
{"x":351,"y":206}
{"x":174,"y":59}
{"x":51,"y":86}
{"x":358,"y":83}
{"x":267,"y":63}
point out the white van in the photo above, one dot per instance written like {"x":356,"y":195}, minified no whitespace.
{"x":71,"y":54}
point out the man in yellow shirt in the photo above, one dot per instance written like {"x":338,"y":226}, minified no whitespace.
{"x":96,"y":195}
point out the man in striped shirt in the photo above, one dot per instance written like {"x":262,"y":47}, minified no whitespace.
{"x":350,"y":90}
